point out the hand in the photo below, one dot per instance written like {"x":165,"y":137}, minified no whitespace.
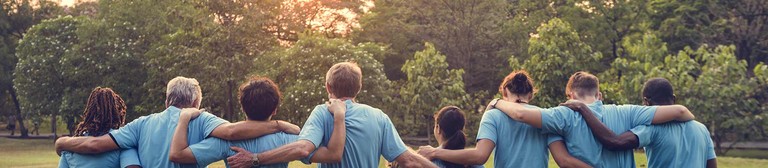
{"x":192,"y":112}
{"x":287,"y":127}
{"x":491,"y":104}
{"x":427,"y":151}
{"x":574,"y":105}
{"x":243,"y":158}
{"x":337,"y":107}
{"x":394,"y":164}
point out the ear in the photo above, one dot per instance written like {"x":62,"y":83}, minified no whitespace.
{"x":328,"y":89}
{"x":646,"y":102}
{"x":599,"y":95}
{"x":674,"y":99}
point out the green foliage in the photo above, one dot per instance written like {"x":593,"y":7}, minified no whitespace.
{"x":430,"y":86}
{"x":300,"y":71}
{"x":623,"y":82}
{"x":556,"y":52}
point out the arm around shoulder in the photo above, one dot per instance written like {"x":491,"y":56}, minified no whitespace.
{"x":672,"y":113}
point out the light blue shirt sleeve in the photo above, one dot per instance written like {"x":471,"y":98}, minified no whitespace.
{"x":488,"y":125}
{"x":556,"y":120}
{"x":644,"y":135}
{"x":710,"y":149}
{"x":129,"y":157}
{"x":392,"y":145}
{"x":128,"y":136}
{"x":210,"y":122}
{"x":552,"y":138}
{"x":313,"y":130}
{"x":210,"y":150}
{"x":63,"y":160}
{"x":313,"y":127}
{"x":637,"y":115}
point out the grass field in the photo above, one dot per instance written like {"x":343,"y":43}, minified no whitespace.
{"x":40,"y":153}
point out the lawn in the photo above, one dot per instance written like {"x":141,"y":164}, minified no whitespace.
{"x":40,"y":153}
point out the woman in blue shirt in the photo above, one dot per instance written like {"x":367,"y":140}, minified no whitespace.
{"x":104,"y":111}
{"x":449,"y":132}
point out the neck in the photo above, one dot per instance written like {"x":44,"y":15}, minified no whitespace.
{"x":517,"y":99}
{"x":346,"y":98}
{"x":587,"y":100}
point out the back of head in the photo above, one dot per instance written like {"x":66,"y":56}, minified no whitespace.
{"x":451,"y":121}
{"x":105,"y":110}
{"x":658,"y":91}
{"x":259,"y":98}
{"x":517,"y":82}
{"x":583,"y":84}
{"x":344,"y":79}
{"x":183,"y":92}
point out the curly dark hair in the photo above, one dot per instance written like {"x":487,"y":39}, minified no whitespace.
{"x":104,"y":111}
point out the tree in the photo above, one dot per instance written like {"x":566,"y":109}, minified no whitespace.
{"x":300,"y":71}
{"x":16,"y":17}
{"x":40,"y":75}
{"x":642,"y":55}
{"x":430,"y":86}
{"x":555,"y":45}
{"x":467,"y":32}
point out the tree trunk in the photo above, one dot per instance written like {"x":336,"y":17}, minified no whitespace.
{"x":53,"y":124}
{"x":230,"y":114}
{"x":22,"y":129}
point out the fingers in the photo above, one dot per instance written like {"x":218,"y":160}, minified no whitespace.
{"x":238,"y":149}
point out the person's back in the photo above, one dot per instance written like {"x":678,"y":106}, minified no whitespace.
{"x":152,"y":135}
{"x":579,"y":140}
{"x":667,"y":144}
{"x":370,"y":134}
{"x":518,"y":143}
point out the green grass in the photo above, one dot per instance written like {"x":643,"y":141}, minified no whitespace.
{"x":40,"y":153}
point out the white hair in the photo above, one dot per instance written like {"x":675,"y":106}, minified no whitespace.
{"x":183,"y":92}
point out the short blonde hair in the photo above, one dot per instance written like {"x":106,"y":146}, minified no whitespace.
{"x":183,"y":92}
{"x":344,"y":79}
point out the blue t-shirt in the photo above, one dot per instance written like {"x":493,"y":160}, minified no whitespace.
{"x":581,"y":143}
{"x":517,"y":144}
{"x":117,"y":158}
{"x":440,"y":163}
{"x":675,"y":144}
{"x":214,"y":149}
{"x":152,"y":135}
{"x":370,"y":134}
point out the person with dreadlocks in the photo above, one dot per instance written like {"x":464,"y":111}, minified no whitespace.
{"x":104,"y":111}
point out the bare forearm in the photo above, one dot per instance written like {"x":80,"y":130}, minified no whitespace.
{"x":86,"y":145}
{"x":245,"y":130}
{"x":605,"y":135}
{"x":563,"y":158}
{"x":517,"y":112}
{"x":180,"y":152}
{"x":464,"y":156}
{"x":333,"y":153}
{"x":669,"y":113}
{"x":293,"y":151}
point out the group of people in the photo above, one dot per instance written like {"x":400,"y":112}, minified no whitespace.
{"x":582,"y":132}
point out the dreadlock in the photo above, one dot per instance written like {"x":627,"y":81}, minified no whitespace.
{"x":104,"y":111}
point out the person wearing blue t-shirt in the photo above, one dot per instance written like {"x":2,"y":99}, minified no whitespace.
{"x":675,"y":144}
{"x":449,"y":126}
{"x":565,"y":122}
{"x":259,"y":99}
{"x":151,"y":135}
{"x":104,"y":111}
{"x":370,"y":132}
{"x":516,"y":144}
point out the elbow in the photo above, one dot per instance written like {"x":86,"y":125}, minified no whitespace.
{"x":305,"y":153}
{"x":336,"y":158}
{"x":174,"y":157}
{"x":478,"y":159}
